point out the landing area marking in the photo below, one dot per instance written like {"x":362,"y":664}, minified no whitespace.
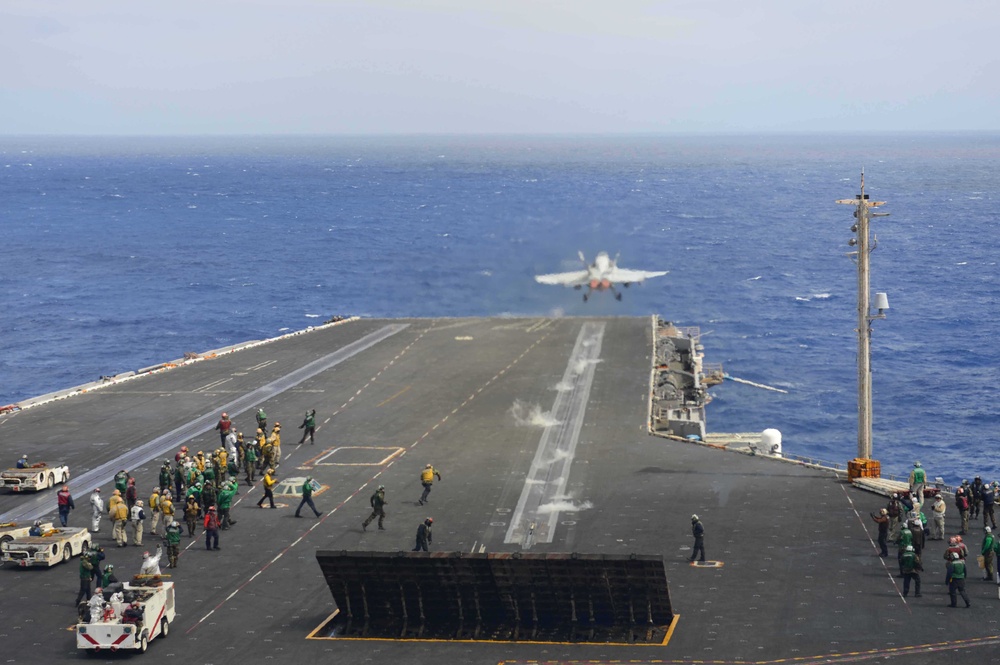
{"x":357,"y":456}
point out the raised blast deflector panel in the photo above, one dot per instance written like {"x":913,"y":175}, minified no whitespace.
{"x":503,"y":596}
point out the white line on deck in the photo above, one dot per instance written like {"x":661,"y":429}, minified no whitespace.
{"x":550,"y":469}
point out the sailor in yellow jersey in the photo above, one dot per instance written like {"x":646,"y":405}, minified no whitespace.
{"x":427,"y":479}
{"x":269,"y":482}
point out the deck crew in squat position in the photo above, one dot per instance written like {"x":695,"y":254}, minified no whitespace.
{"x":424,"y":535}
{"x":698,"y":531}
{"x":378,"y":508}
{"x":427,"y":480}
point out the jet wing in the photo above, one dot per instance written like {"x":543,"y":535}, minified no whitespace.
{"x":575,"y":278}
{"x":625,"y":276}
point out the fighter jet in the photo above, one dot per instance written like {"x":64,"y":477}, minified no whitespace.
{"x":601,"y":275}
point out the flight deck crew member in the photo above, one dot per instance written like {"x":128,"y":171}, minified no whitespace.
{"x":165,"y":476}
{"x":225,"y":502}
{"x":910,"y":563}
{"x":131,"y":493}
{"x":989,"y":555}
{"x":918,"y":478}
{"x":119,"y":516}
{"x":154,"y":508}
{"x":976,"y":496}
{"x":698,"y":531}
{"x":261,"y":420}
{"x":23,"y":463}
{"x":224,"y":425}
{"x":895,"y":509}
{"x":309,"y":425}
{"x":424,"y":535}
{"x":269,"y":482}
{"x":250,"y":462}
{"x":172,"y":534}
{"x":956,"y":580}
{"x":65,"y":502}
{"x":121,"y":481}
{"x":137,"y":516}
{"x":937,"y":514}
{"x":962,"y":503}
{"x":96,"y":510}
{"x":427,"y":480}
{"x":378,"y":503}
{"x":307,"y":490}
{"x":86,"y":575}
{"x":989,"y":499}
{"x":275,"y":441}
{"x":191,"y":512}
{"x":211,"y":529}
{"x":882,"y":519}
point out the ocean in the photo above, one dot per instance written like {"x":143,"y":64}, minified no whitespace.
{"x":120,"y":253}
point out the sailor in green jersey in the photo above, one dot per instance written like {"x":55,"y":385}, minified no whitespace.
{"x":225,"y":502}
{"x":250,"y":462}
{"x":86,"y":574}
{"x":309,"y":427}
{"x":918,"y":478}
{"x":956,"y":580}
{"x":905,"y":540}
{"x":910,"y":563}
{"x":173,"y":538}
{"x":989,"y":554}
{"x":307,"y":490}
{"x":165,"y":475}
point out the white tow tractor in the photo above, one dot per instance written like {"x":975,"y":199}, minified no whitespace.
{"x":34,"y":478}
{"x":56,"y":544}
{"x":146,"y":613}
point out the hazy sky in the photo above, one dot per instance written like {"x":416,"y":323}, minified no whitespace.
{"x":397,"y":66}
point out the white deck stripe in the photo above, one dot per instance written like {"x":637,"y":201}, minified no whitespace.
{"x":550,"y":469}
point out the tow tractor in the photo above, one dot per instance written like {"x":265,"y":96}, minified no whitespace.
{"x":39,"y":476}
{"x":146,"y":613}
{"x":56,"y":544}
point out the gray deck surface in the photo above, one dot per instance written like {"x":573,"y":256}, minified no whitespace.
{"x":800,"y":577}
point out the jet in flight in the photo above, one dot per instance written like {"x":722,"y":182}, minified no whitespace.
{"x":601,"y":275}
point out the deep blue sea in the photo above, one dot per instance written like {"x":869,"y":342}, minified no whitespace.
{"x":121,"y":253}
